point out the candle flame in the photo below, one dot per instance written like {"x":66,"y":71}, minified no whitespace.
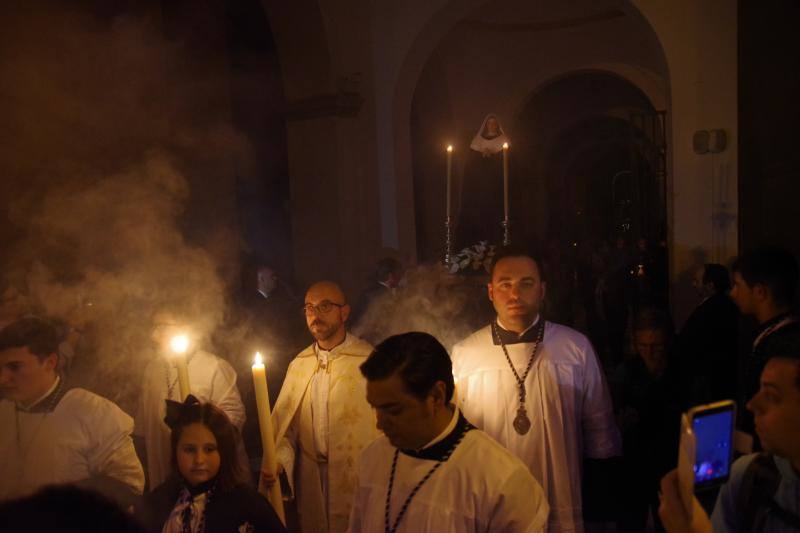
{"x":179,"y":343}
{"x":449,"y":147}
{"x":505,"y":146}
{"x":258,"y":360}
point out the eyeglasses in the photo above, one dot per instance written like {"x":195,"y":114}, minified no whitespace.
{"x":323,"y":308}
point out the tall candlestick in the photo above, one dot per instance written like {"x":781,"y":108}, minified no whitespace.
{"x":179,"y":345}
{"x":268,"y":461}
{"x":447,"y":241}
{"x":449,"y":175}
{"x":505,"y":181}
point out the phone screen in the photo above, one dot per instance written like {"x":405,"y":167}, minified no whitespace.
{"x":713,"y":430}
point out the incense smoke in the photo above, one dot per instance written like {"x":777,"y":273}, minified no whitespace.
{"x":449,"y":307}
{"x":118,"y":148}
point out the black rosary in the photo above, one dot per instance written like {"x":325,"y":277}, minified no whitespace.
{"x":522,"y":424}
{"x":434,"y":468}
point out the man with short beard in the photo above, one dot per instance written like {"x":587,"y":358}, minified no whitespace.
{"x":322,"y":418}
{"x":536,"y":387}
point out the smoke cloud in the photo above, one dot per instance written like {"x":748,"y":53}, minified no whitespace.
{"x":117,"y":161}
{"x":448,"y":306}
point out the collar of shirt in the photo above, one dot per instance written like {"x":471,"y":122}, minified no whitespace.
{"x":324,"y":356}
{"x":512,"y":337}
{"x":440,"y":448}
{"x":392,"y":290}
{"x":771,"y":326}
{"x":447,"y":430}
{"x":40,"y":401}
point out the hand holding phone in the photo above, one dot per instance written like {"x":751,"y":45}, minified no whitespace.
{"x":713,"y":428}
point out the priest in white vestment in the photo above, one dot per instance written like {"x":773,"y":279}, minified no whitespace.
{"x":54,"y":434}
{"x":440,"y":472}
{"x":537,"y":388}
{"x":322,"y":419}
{"x":211,"y":380}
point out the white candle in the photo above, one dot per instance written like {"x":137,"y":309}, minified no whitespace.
{"x":268,"y":461}
{"x":179,"y":345}
{"x":449,"y":174}
{"x":505,"y":180}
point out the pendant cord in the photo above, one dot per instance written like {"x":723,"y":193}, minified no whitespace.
{"x":387,"y":511}
{"x":536,"y":343}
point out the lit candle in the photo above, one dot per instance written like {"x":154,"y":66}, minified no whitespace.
{"x":505,"y":180}
{"x":449,"y":174}
{"x":268,"y":461}
{"x":179,"y":345}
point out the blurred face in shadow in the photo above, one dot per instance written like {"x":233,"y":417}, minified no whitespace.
{"x":651,"y":345}
{"x":776,"y":408}
{"x":492,"y":128}
{"x":405,"y":419}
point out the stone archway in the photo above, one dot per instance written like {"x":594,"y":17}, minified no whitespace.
{"x":433,"y":73}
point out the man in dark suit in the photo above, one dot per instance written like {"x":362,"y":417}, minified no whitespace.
{"x":708,"y":343}
{"x":388,"y":274}
{"x":764,"y":285}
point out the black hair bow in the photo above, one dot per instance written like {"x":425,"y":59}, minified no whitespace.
{"x":176,"y":411}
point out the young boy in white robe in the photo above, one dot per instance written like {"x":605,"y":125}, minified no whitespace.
{"x":433,"y":470}
{"x":54,"y":434}
{"x":211,"y":380}
{"x":537,"y":388}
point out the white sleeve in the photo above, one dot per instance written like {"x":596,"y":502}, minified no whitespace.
{"x":110,"y":450}
{"x":521,"y":506}
{"x":601,"y":438}
{"x":225,"y":394}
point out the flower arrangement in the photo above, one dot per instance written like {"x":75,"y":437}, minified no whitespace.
{"x":473,"y":258}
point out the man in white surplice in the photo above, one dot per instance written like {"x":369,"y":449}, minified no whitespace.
{"x":211,"y":379}
{"x":322,"y":419}
{"x":536,"y":387}
{"x":54,"y":434}
{"x":439,"y":471}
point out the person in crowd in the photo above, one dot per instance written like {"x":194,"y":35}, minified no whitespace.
{"x":536,"y":387}
{"x":322,"y":419}
{"x":761,"y":494}
{"x":263,"y":323}
{"x":433,"y":470}
{"x":647,"y":392}
{"x":708,"y":342}
{"x":53,"y":434}
{"x":388,"y":275}
{"x":211,"y":379}
{"x":764,"y":284}
{"x":207,"y":490}
{"x":267,"y":304}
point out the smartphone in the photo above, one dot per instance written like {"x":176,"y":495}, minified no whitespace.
{"x":713,"y":429}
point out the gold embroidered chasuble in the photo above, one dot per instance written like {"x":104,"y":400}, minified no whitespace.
{"x":351,"y":428}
